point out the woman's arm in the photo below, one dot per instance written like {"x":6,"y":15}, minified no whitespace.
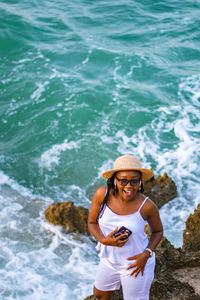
{"x":155,"y":224}
{"x":151,"y":214}
{"x":93,"y":225}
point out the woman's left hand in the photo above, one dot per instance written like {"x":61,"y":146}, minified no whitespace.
{"x":139,"y":264}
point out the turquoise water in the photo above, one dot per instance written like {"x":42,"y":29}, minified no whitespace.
{"x":83,"y":82}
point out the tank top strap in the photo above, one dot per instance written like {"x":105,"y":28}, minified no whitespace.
{"x":106,"y":191}
{"x":103,"y":206}
{"x":142,"y":204}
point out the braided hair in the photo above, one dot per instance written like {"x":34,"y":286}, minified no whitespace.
{"x":110,"y":185}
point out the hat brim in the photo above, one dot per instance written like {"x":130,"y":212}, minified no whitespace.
{"x":146,"y":173}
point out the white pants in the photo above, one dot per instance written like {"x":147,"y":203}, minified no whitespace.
{"x":110,"y":277}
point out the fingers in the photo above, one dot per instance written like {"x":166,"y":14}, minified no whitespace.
{"x":132,"y":257}
{"x":119,"y":240}
{"x":120,"y":243}
{"x":132,"y":266}
{"x":136,"y":271}
{"x":120,"y":237}
{"x":113,"y":232}
{"x":137,"y":266}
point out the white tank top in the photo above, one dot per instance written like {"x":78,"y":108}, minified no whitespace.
{"x":137,"y":241}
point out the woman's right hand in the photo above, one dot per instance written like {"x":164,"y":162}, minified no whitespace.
{"x":111,"y":240}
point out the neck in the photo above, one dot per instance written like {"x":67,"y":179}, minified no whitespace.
{"x":125,"y":200}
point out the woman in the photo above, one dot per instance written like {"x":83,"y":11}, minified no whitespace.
{"x":126,"y":259}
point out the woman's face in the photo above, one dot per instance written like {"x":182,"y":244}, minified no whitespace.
{"x":128,"y":183}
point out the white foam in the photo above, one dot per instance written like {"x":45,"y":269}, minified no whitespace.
{"x":6,"y":180}
{"x":58,"y":74}
{"x":40,"y":259}
{"x":51,"y":157}
{"x":191,"y":88}
{"x":85,"y":61}
{"x":57,"y":230}
{"x":36,"y":96}
{"x":107,"y":165}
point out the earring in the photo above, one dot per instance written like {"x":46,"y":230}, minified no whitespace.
{"x":115,"y":185}
{"x":140,"y":188}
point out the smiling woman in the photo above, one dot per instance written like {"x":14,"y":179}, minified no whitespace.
{"x":127,"y":257}
{"x":124,"y":180}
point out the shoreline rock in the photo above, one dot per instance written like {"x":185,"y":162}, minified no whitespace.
{"x":160,"y":190}
{"x":70,"y":217}
{"x":191,"y":233}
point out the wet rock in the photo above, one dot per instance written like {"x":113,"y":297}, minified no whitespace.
{"x":161,"y":189}
{"x":169,"y":288}
{"x":189,"y":275}
{"x":72,"y":218}
{"x":191,"y":235}
{"x":167,"y":285}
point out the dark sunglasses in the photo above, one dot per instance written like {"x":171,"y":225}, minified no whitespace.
{"x":124,"y":182}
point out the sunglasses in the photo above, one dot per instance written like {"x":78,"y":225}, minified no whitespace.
{"x":133,"y":182}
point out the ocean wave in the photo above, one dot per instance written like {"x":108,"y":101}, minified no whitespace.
{"x":51,"y":156}
{"x":6,"y":180}
{"x":39,"y":253}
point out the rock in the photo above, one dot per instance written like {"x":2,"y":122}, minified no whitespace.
{"x":166,"y":285}
{"x":73,"y":219}
{"x":191,"y":235}
{"x":190,"y":275}
{"x":161,"y":190}
{"x":169,"y":288}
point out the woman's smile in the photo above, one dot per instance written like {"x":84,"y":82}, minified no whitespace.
{"x":128,"y":183}
{"x":128,"y":193}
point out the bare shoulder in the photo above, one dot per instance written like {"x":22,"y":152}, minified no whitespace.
{"x":97,"y":200}
{"x":99,"y":195}
{"x":150,"y":205}
{"x":149,"y":209}
{"x":152,"y":216}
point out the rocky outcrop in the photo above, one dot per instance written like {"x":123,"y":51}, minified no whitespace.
{"x":189,"y":270}
{"x":72,"y":218}
{"x":167,"y":284}
{"x":161,"y":190}
{"x":191,"y":234}
{"x":190,"y":275}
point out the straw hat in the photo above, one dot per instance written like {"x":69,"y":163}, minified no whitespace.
{"x":128,"y":163}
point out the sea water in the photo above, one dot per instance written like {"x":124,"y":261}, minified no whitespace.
{"x":83,"y":82}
